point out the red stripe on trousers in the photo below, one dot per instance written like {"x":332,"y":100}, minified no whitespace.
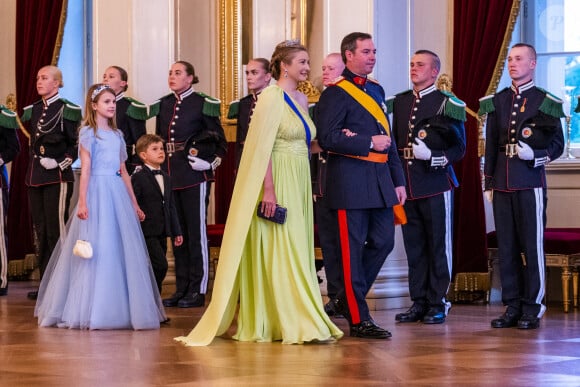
{"x":345,"y":253}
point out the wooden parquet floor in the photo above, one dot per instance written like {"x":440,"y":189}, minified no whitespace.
{"x":463,"y":351}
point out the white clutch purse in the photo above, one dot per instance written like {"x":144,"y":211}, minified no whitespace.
{"x":83,"y":249}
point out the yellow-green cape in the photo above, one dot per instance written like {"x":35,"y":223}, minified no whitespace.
{"x":257,"y":151}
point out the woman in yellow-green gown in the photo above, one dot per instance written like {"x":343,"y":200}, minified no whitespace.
{"x":269,"y":267}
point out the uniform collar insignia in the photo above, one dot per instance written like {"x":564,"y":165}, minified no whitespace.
{"x":425,"y":91}
{"x":361,"y":81}
{"x":50,"y":100}
{"x":522,"y":88}
{"x":185,"y":94}
{"x":120,"y":96}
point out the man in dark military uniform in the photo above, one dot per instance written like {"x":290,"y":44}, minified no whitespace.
{"x":130,"y":113}
{"x":9,"y":148}
{"x":54,"y":122}
{"x":515,"y":181}
{"x":364,"y":178}
{"x":258,"y":76}
{"x":428,"y":128}
{"x":188,"y":121}
{"x":332,"y":68}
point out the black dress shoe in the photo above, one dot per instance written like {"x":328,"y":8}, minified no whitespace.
{"x":435,"y":315}
{"x":528,"y":321}
{"x":368,"y":330}
{"x":32,"y":295}
{"x":166,"y":321}
{"x":331,"y":308}
{"x":173,"y":300}
{"x":191,"y":301}
{"x":3,"y":291}
{"x":506,"y":320}
{"x":414,"y":314}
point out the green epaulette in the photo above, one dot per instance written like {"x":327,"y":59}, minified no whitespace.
{"x":211,"y":106}
{"x":8,"y":118}
{"x":234,"y":109}
{"x":486,"y":105}
{"x":551,"y":105}
{"x":71,"y":111}
{"x":454,"y":107}
{"x":26,"y":114}
{"x":390,"y":100}
{"x":311,"y":110}
{"x":154,"y":109}
{"x":137,"y":110}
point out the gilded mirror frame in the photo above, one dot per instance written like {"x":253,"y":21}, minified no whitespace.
{"x":229,"y":60}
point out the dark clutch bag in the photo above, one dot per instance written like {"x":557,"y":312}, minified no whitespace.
{"x":279,"y":215}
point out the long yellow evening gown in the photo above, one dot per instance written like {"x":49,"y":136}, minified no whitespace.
{"x":270,"y":266}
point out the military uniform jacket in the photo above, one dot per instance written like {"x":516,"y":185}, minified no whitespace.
{"x":509,"y":113}
{"x":53,"y":133}
{"x":354,"y":183}
{"x":242,"y":111}
{"x":178,"y":119}
{"x":412,"y":112}
{"x":9,"y":145}
{"x":131,"y":116}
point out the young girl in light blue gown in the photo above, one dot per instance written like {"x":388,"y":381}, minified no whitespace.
{"x":115,"y":288}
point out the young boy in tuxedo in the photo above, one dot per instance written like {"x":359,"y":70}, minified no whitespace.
{"x":152,"y":189}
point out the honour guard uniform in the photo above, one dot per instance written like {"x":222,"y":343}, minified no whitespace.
{"x":360,"y":185}
{"x":184,"y":121}
{"x":436,"y":118}
{"x":242,"y":110}
{"x":9,"y":148}
{"x":131,"y":116}
{"x":524,"y":133}
{"x":53,"y":136}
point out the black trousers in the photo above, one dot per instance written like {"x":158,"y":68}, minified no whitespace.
{"x":192,"y":257}
{"x":428,"y":238}
{"x":520,"y":219}
{"x":329,"y":243}
{"x":49,"y":207}
{"x":367,"y":236}
{"x":157,"y":249}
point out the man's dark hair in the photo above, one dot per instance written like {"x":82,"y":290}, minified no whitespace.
{"x":349,"y":42}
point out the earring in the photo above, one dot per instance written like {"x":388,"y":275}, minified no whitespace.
{"x":285,"y":73}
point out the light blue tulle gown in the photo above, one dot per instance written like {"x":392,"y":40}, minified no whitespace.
{"x":116,"y":288}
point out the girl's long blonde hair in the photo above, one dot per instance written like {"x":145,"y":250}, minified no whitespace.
{"x":93,"y":95}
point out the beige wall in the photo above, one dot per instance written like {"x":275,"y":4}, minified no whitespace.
{"x":7,"y":49}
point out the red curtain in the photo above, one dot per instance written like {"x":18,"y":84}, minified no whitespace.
{"x":37,"y":27}
{"x":478,"y":31}
{"x":224,"y":184}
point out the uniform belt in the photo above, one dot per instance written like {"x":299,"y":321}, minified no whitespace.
{"x":172,"y":147}
{"x":407,"y":153}
{"x":373,"y":157}
{"x":509,"y":149}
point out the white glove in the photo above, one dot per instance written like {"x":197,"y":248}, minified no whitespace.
{"x":198,"y":164}
{"x":524,"y":151}
{"x":216,"y":163}
{"x":1,"y":161}
{"x":488,"y":195}
{"x":421,"y":151}
{"x":48,"y":163}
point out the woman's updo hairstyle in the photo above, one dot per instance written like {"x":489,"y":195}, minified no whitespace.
{"x":284,"y":52}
